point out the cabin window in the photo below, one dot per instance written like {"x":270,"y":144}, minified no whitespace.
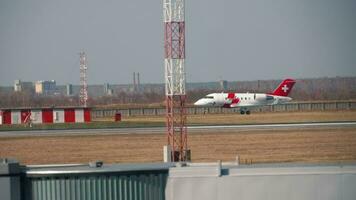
{"x":209,"y":97}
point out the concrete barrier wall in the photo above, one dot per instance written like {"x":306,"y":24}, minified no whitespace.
{"x":314,"y":106}
{"x":10,"y":180}
{"x":183,"y":181}
{"x":262,"y":183}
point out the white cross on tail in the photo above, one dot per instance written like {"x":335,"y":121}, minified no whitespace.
{"x":285,"y":88}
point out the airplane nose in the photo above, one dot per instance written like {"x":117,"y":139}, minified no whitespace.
{"x":199,"y":103}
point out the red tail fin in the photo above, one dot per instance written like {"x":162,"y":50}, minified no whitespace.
{"x":284,"y":88}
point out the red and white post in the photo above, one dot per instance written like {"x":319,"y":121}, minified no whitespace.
{"x":174,"y":58}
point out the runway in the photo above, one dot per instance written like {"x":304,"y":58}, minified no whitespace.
{"x":191,"y":129}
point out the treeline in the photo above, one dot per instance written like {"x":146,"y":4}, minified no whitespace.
{"x":339,"y":88}
{"x":28,"y":99}
{"x":25,"y":99}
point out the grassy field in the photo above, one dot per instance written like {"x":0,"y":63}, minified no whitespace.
{"x":301,"y":145}
{"x":256,"y":146}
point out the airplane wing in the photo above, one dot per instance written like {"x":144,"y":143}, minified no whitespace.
{"x":234,"y":105}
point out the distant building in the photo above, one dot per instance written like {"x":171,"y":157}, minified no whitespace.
{"x":17,"y":86}
{"x":223,"y":85}
{"x":45,"y":87}
{"x":106,"y":88}
{"x":136,"y":82}
{"x":20,"y":86}
{"x":110,"y":92}
{"x":69,"y":89}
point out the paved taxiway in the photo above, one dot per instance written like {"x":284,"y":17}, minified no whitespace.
{"x":191,"y":129}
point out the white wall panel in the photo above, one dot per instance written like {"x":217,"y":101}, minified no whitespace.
{"x":79,"y":115}
{"x":16,"y":117}
{"x":36,"y":116}
{"x":58,"y":116}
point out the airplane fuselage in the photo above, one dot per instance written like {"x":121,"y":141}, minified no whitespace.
{"x":232,"y":100}
{"x":246,"y":100}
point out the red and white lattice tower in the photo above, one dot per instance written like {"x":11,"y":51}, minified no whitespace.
{"x":174,"y":57}
{"x":83,"y":96}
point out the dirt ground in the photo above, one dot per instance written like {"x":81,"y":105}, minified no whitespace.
{"x":298,"y":145}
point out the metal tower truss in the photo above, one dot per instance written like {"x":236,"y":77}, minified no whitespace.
{"x":175,"y":77}
{"x":174,"y":49}
{"x":177,"y":128}
{"x":83,"y":96}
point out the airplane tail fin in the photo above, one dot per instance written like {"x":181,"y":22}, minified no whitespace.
{"x":284,"y":88}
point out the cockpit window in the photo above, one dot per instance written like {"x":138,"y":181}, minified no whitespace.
{"x":209,"y":97}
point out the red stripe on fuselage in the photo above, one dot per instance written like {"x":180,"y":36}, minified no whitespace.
{"x":233,"y":98}
{"x":235,"y":101}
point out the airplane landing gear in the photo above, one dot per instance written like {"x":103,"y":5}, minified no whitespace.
{"x":247,"y":112}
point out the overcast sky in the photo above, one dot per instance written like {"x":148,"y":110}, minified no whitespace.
{"x":226,"y":39}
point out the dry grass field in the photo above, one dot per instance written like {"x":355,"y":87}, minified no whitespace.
{"x":256,"y":146}
{"x":301,"y":145}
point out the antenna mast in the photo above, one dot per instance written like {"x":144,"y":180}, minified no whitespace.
{"x":174,"y":58}
{"x":83,"y":96}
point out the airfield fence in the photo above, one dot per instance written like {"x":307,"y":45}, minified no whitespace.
{"x":303,"y":106}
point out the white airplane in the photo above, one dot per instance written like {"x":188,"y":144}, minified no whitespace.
{"x":244,"y":101}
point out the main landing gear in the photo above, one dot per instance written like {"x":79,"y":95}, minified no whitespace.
{"x":247,"y":112}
